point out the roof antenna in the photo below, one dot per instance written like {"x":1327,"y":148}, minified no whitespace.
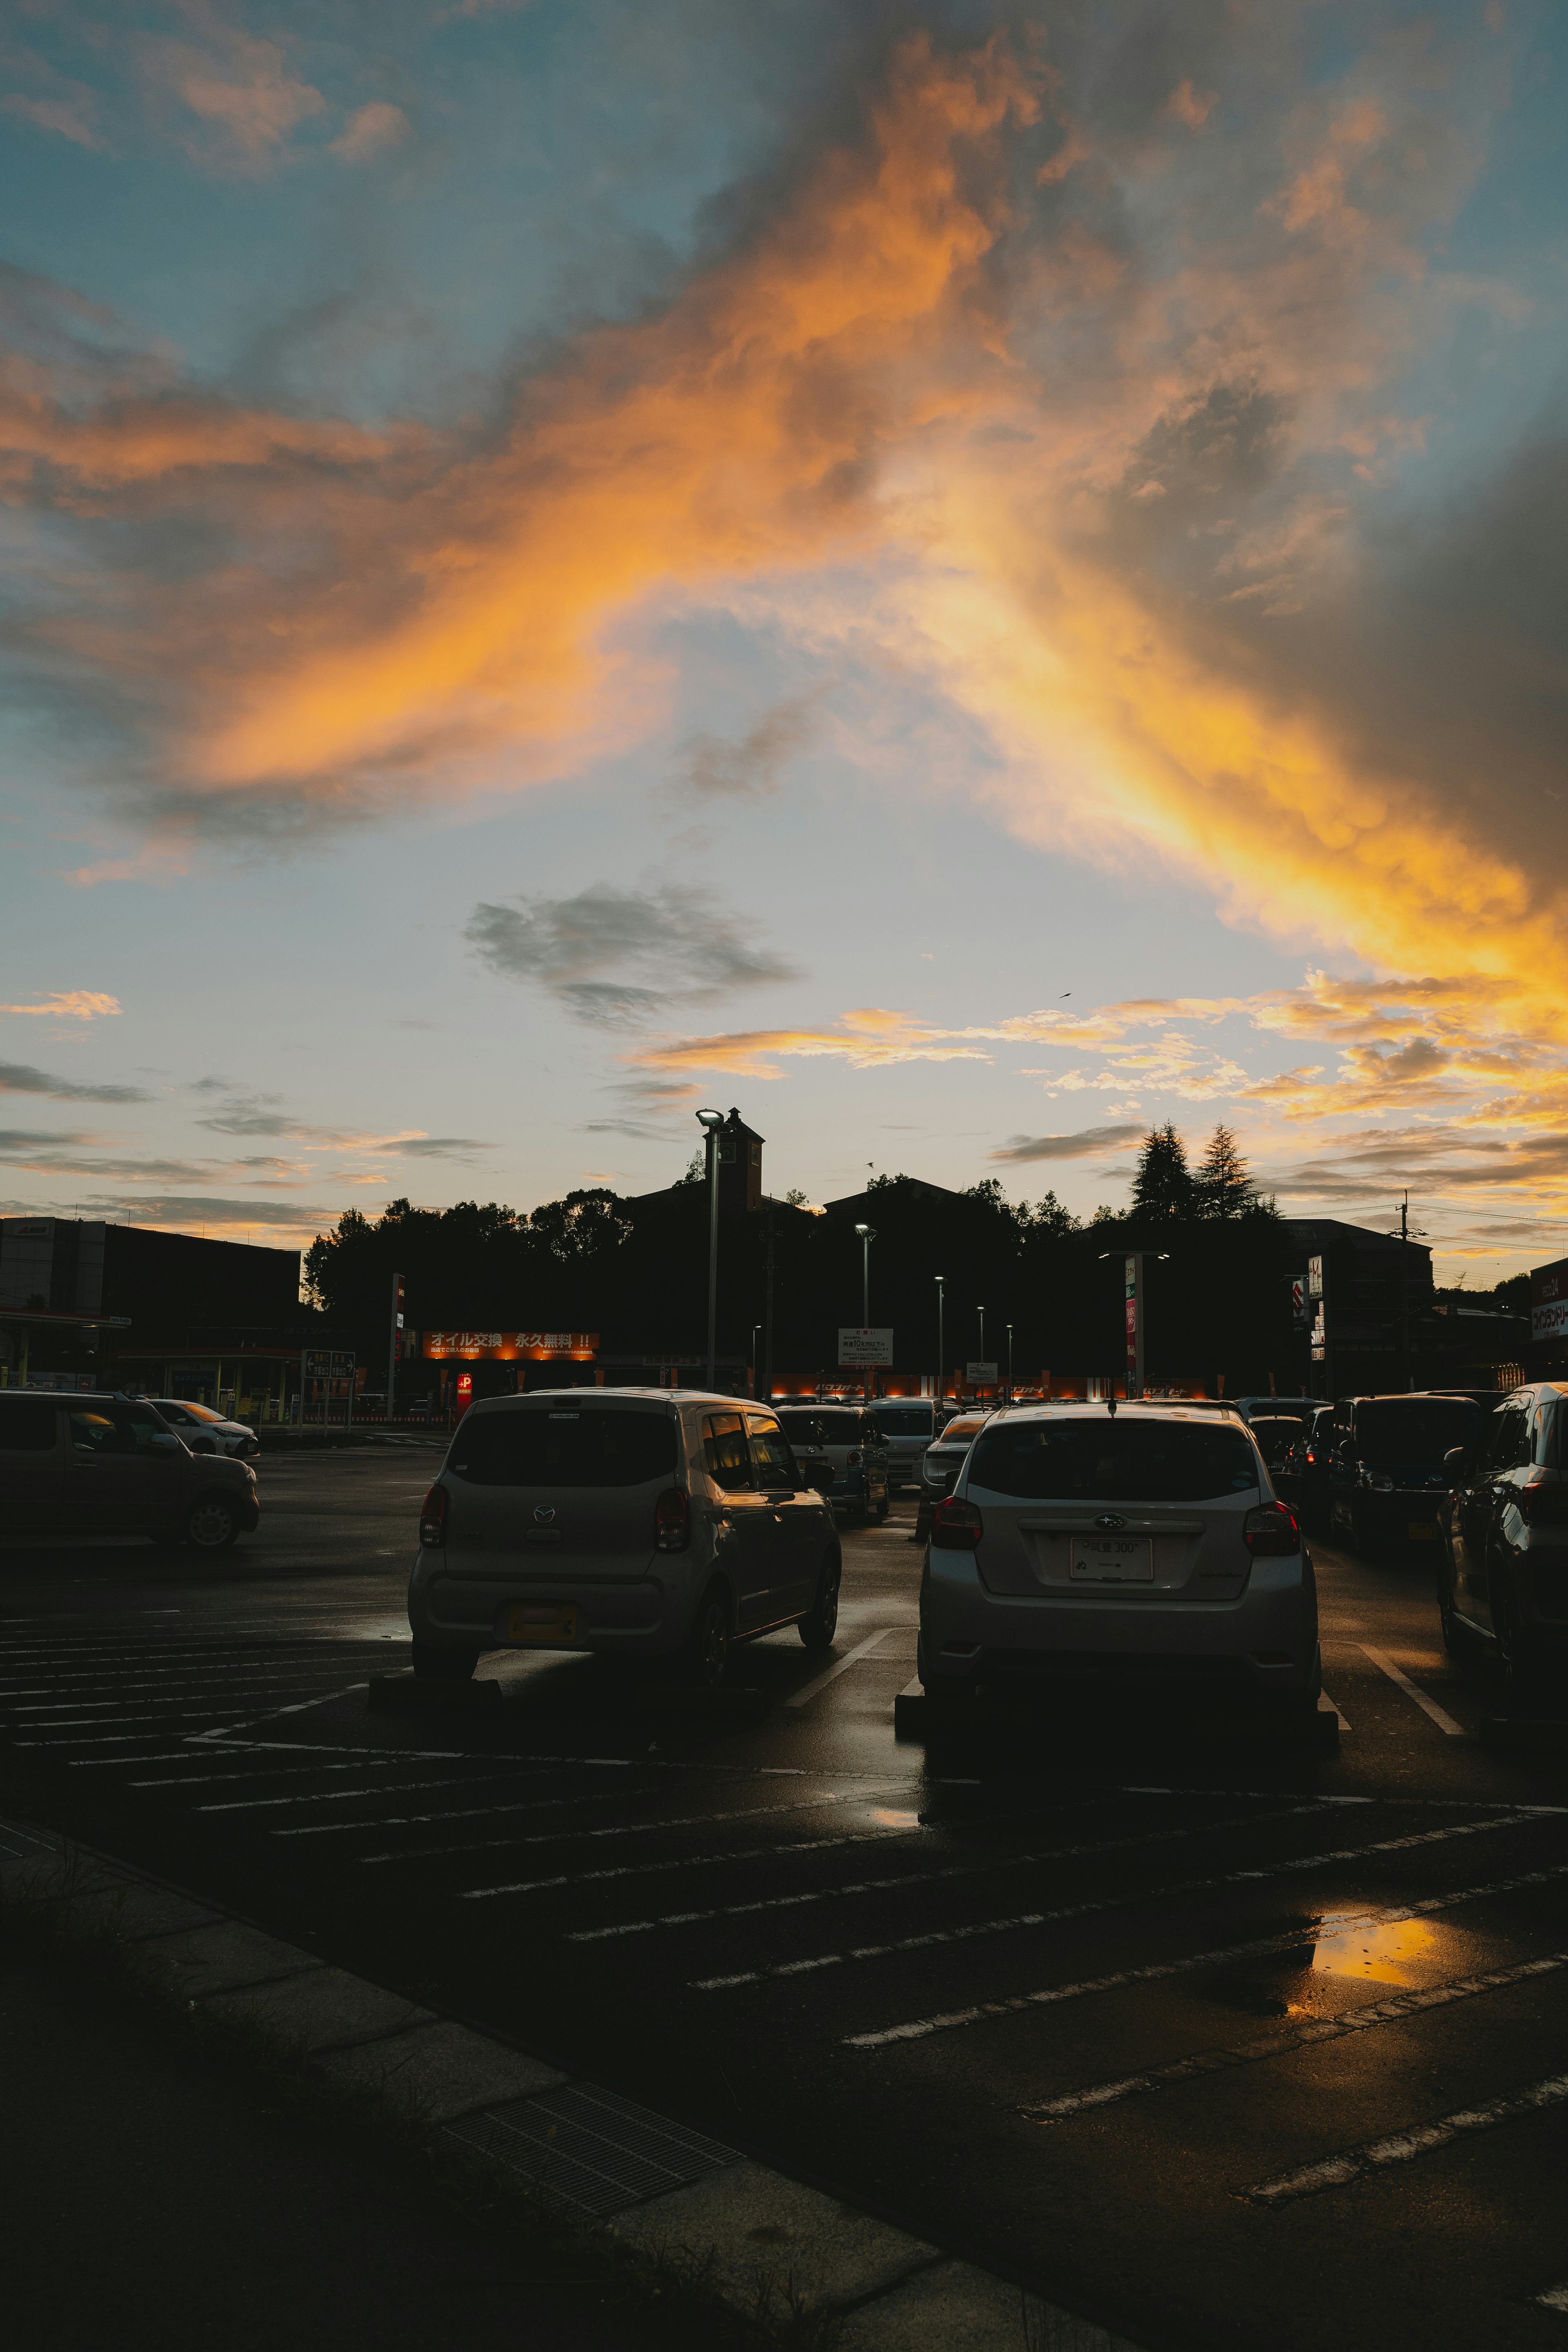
{"x":1111,"y":1404}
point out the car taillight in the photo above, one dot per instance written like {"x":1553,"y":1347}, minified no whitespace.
{"x":956,"y":1525}
{"x":1311,"y":1458}
{"x":432,"y":1518}
{"x":1544,"y":1506}
{"x":1272,"y":1529}
{"x":672,"y":1520}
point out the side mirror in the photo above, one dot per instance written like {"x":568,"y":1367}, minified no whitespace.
{"x":163,"y":1441}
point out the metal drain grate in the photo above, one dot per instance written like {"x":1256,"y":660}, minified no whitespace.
{"x":591,"y":2149}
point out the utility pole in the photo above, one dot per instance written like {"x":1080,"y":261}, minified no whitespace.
{"x":711,"y":1121}
{"x":1009,"y":1363}
{"x":768,"y":1339}
{"x":1406,"y":1234}
{"x":940,"y":1349}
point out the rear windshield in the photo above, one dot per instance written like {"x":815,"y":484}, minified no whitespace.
{"x":823,"y":1428}
{"x":905,"y":1420}
{"x":545,"y":1448}
{"x":1416,"y":1429}
{"x":26,"y":1426}
{"x":1121,"y":1461}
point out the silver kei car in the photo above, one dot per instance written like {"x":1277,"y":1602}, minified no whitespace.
{"x":1086,"y":1545}
{"x":655,"y":1524}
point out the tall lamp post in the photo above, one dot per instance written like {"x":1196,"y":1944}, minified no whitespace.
{"x":940,"y":1349}
{"x":868,"y":1235}
{"x":755,"y":1328}
{"x":711,"y":1121}
{"x":1009,"y":1363}
{"x":981,"y":1347}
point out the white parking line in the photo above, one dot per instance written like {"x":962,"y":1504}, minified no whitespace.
{"x":1385,"y":1665}
{"x":646,"y":1828}
{"x":1295,"y":2037}
{"x":1110,"y":1903}
{"x":971,"y":1869}
{"x":1400,"y":2147}
{"x":1342,"y":1922}
{"x":802,"y":1697}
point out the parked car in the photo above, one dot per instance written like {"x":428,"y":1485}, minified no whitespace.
{"x":1387,"y":1482}
{"x":96,"y":1466}
{"x":1302,"y":1479}
{"x":1140,"y":1546}
{"x":847,"y":1438}
{"x":941,"y":1463}
{"x":908,"y":1425}
{"x":1276,"y":1434}
{"x":655,"y":1524}
{"x":1502,"y":1576}
{"x":206,"y":1431}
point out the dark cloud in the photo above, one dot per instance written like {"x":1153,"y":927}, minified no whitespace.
{"x":718,"y":769}
{"x":615,"y":959}
{"x":436,"y":1146}
{"x":21,"y":1078}
{"x":1082,"y":1146}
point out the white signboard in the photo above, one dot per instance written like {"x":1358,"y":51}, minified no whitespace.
{"x":981,"y":1376}
{"x":1314,"y":1277}
{"x":863,"y":1344}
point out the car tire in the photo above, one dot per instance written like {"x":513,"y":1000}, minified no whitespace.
{"x":432,"y":1665}
{"x":211,"y":1524}
{"x":705,"y":1657}
{"x":820,"y":1623}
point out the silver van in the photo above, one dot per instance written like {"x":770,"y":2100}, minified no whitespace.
{"x":908,"y":1425}
{"x":1140,"y":1546}
{"x":661,"y":1524}
{"x":848,"y":1439}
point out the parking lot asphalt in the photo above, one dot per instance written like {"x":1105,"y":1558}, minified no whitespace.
{"x":1226,"y":2040}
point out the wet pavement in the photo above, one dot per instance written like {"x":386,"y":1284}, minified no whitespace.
{"x":1226,"y":2040}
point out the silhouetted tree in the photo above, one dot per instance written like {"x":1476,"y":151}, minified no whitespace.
{"x":1162,"y":1186}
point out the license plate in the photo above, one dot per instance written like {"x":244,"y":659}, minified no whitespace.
{"x":1112,"y":1559}
{"x":548,"y":1623}
{"x":1422,"y":1530}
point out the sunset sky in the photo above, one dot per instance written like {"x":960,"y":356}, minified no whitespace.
{"x":965,"y":579}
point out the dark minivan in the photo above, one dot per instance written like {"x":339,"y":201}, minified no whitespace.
{"x":1387,"y":1482}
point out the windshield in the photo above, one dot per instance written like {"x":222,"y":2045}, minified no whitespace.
{"x":550,"y":1448}
{"x":177,"y":1405}
{"x":905,"y":1420}
{"x":959,"y":1433}
{"x":1416,"y":1429}
{"x":823,"y":1428}
{"x":1121,"y":1461}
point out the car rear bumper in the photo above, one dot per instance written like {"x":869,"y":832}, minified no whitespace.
{"x":646,"y":1616}
{"x":1265,"y":1640}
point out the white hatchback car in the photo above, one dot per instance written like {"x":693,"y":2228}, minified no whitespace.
{"x":1100,"y":1547}
{"x":657,"y":1524}
{"x":205,"y":1431}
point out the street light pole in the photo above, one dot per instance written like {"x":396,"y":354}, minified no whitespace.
{"x":711,"y":1121}
{"x":1009,"y":1363}
{"x":755,"y":1328}
{"x":981,"y":1347}
{"x":941,"y":1346}
{"x":868,"y":1235}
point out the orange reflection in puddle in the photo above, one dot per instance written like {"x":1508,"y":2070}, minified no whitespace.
{"x":1384,"y":1954}
{"x":890,"y":1820}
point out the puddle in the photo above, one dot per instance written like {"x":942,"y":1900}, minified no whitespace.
{"x":1388,"y":1954}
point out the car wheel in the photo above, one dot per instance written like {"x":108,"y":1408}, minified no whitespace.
{"x":705,"y":1660}
{"x":211,"y":1524}
{"x":818,"y":1627}
{"x":437,"y":1665}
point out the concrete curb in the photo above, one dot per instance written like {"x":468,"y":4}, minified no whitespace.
{"x":769,"y":2246}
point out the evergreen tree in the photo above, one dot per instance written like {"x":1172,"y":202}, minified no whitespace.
{"x":1051,"y":1217}
{"x":1162,"y":1186}
{"x":1223,"y":1186}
